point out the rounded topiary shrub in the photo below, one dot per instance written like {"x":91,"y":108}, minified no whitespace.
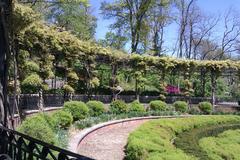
{"x":31,"y":84}
{"x":180,"y":106}
{"x":205,"y":107}
{"x":78,"y":109}
{"x":37,"y":127}
{"x":68,"y":89}
{"x":118,"y":107}
{"x":136,"y":106}
{"x":158,"y":105}
{"x":62,"y":119}
{"x":96,"y":108}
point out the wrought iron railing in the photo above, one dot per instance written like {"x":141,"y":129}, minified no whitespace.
{"x":19,"y":146}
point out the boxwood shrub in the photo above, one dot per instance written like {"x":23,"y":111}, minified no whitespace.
{"x":158,"y":105}
{"x":136,"y":106}
{"x":96,"y":108}
{"x":37,"y":127}
{"x":118,"y":107}
{"x":205,"y":107}
{"x":78,"y":109}
{"x":180,"y":106}
{"x":62,"y":119}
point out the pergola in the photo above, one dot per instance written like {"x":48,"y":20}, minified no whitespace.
{"x":15,"y":145}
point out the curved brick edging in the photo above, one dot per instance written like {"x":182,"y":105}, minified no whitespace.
{"x":76,"y":140}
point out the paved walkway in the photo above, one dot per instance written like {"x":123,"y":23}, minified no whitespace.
{"x":108,"y":143}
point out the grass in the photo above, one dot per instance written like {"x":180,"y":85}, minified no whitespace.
{"x":154,"y":139}
{"x":225,"y":146}
{"x":189,"y":141}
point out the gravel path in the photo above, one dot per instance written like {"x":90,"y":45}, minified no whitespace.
{"x":108,"y":142}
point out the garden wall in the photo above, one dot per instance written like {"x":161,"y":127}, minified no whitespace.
{"x":30,"y":101}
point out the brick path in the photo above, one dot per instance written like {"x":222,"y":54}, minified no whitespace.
{"x":108,"y":143}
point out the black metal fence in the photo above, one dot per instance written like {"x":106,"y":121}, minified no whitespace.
{"x":18,"y":146}
{"x":30,"y":101}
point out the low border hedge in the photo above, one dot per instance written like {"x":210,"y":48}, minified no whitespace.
{"x":154,"y":139}
{"x":188,"y":141}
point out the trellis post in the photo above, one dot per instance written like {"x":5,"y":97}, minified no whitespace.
{"x":5,"y":14}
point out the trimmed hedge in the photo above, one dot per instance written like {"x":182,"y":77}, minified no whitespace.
{"x":136,"y":106}
{"x":96,"y":108}
{"x":153,"y":139}
{"x":189,"y":141}
{"x":158,"y":105}
{"x":118,"y":107}
{"x":78,"y":109}
{"x":225,"y":146}
{"x":37,"y":127}
{"x":205,"y":107}
{"x":180,"y":106}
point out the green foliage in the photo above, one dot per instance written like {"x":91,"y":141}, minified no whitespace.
{"x":30,"y":68}
{"x":136,"y":106}
{"x":49,"y":119}
{"x":37,"y":127}
{"x":62,"y":119}
{"x":194,"y":111}
{"x":158,"y":105}
{"x":153,"y":139}
{"x":23,"y":16}
{"x":94,"y":82}
{"x":50,"y":45}
{"x":72,"y":77}
{"x":75,"y":17}
{"x":68,"y":89}
{"x":114,"y":40}
{"x":31,"y":84}
{"x":79,"y":110}
{"x":118,"y":106}
{"x":96,"y":108}
{"x":189,"y":141}
{"x":90,"y":121}
{"x":181,"y":106}
{"x":187,"y":85}
{"x":205,"y":107}
{"x":225,"y":146}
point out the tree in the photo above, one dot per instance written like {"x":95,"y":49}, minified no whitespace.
{"x":114,"y":40}
{"x":129,"y":16}
{"x":74,"y":16}
{"x":184,"y":7}
{"x":158,"y":19}
{"x":231,"y":33}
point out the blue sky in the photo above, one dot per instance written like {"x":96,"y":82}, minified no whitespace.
{"x":207,"y":6}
